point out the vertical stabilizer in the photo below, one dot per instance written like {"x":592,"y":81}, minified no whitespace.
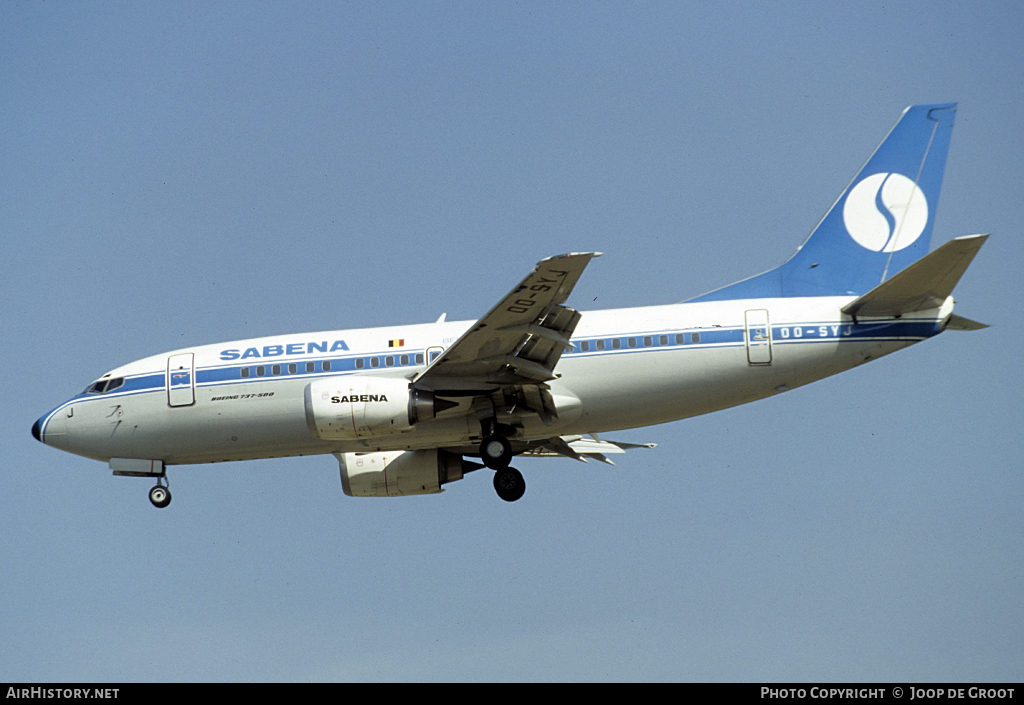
{"x":880,"y":224}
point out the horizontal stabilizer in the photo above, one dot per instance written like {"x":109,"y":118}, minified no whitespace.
{"x":923,"y":285}
{"x":960,"y":323}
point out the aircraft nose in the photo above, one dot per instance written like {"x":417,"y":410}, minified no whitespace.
{"x":35,"y":431}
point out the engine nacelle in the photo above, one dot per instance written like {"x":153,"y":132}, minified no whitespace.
{"x":359,"y":406}
{"x":396,"y":473}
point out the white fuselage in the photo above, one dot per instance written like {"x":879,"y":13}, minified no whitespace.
{"x":628,"y":368}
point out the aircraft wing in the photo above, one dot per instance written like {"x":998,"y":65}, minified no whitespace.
{"x":520,"y":340}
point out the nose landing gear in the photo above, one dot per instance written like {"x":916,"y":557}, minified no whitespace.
{"x":160,"y":495}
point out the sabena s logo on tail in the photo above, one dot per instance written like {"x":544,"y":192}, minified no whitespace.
{"x":885,"y":212}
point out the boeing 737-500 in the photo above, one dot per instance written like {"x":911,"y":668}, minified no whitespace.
{"x":406,"y":411}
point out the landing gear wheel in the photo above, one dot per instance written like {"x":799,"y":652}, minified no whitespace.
{"x":509,"y":484}
{"x":160,"y":496}
{"x":496,"y":452}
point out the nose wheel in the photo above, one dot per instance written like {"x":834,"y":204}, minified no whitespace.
{"x":160,"y":496}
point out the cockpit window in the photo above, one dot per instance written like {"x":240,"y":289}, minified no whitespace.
{"x":104,"y":385}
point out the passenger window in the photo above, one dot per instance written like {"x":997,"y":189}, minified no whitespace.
{"x":663,"y":340}
{"x":374,"y":362}
{"x":419,"y":358}
{"x":695,"y":338}
{"x":585,"y":346}
{"x":679,"y":338}
{"x":245,"y":372}
{"x":260,"y":371}
{"x":648,"y":341}
{"x":327,"y":366}
{"x":404,"y":360}
{"x":600,"y":345}
{"x":292,"y":368}
{"x":275,"y":370}
{"x":631,"y":342}
{"x":310,"y":367}
{"x":360,"y":363}
{"x":616,"y":343}
{"x":389,"y":361}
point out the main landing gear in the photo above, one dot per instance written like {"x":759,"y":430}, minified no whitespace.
{"x":509,"y":484}
{"x":496,"y":452}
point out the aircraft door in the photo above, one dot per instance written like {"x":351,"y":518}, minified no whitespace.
{"x":759,"y":337}
{"x":181,"y":386}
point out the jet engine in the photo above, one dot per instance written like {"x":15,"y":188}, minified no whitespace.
{"x":359,"y":406}
{"x":395,"y":473}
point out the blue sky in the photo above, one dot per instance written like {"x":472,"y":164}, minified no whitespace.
{"x":185,"y":173}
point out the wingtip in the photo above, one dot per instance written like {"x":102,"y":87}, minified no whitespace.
{"x":567,"y":255}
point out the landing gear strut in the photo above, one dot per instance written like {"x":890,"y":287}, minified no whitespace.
{"x":509,"y":484}
{"x":160,"y":495}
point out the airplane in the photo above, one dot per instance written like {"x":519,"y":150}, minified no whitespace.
{"x":408,"y":409}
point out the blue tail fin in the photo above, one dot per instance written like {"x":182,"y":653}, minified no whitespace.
{"x":879,"y":225}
